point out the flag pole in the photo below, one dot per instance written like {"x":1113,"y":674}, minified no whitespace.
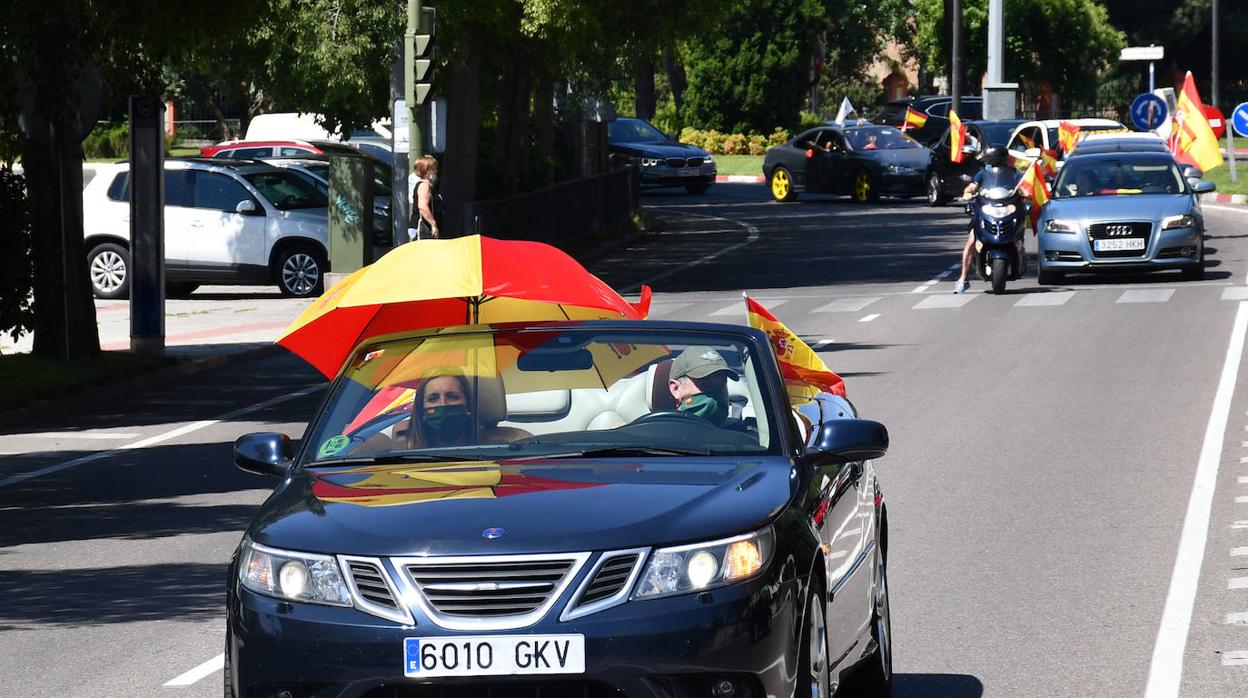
{"x":745,"y":298}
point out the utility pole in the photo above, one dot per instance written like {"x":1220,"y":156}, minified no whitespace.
{"x":999,"y":96}
{"x":1215,"y":70}
{"x":399,"y":115}
{"x":955,"y":67}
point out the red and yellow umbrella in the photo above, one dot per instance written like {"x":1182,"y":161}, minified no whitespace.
{"x":440,"y":283}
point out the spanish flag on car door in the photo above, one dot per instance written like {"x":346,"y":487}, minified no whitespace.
{"x":957,"y":137}
{"x":1035,"y":188}
{"x":913,"y":119}
{"x":804,"y":372}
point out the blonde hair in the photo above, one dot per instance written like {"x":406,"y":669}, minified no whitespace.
{"x":423,"y":165}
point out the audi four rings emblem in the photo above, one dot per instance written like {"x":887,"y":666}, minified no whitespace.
{"x":1117,"y":230}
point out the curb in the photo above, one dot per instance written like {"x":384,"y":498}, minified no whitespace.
{"x":1233,"y":199}
{"x":108,"y":389}
{"x":739,"y":179}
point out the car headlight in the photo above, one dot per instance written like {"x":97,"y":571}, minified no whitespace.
{"x":701,"y":566}
{"x":1171,"y":222}
{"x":998,"y":210}
{"x":292,"y":576}
{"x":1060,"y":226}
{"x":649,"y":162}
{"x":901,"y":169}
{"x":708,"y":159}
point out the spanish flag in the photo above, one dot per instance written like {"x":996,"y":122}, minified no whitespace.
{"x":913,"y":118}
{"x":1035,"y":188}
{"x":1067,"y":136}
{"x":957,"y":137}
{"x":1048,"y":162}
{"x":804,"y":372}
{"x":1192,"y":140}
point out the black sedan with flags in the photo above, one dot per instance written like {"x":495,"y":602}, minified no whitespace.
{"x":864,"y":162}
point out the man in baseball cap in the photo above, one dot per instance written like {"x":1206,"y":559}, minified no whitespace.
{"x":699,"y":382}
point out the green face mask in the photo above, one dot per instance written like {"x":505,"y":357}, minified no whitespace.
{"x":706,"y":407}
{"x":447,"y":424}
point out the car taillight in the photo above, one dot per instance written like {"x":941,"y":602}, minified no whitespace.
{"x":810,"y":152}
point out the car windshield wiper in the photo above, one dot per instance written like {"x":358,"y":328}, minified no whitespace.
{"x":622,"y":452}
{"x":390,"y":458}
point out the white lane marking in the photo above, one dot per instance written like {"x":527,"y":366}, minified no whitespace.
{"x":738,"y":308}
{"x":752,"y":234}
{"x":1235,"y":293}
{"x":1241,"y":499}
{"x":658,"y":308}
{"x":1237,"y":583}
{"x":208,"y":668}
{"x":846,"y":305}
{"x":1243,"y":479}
{"x":822,"y":343}
{"x":1232,"y":209}
{"x":1243,"y":459}
{"x":1239,"y":552}
{"x":1237,"y":619}
{"x":80,"y":435}
{"x":938,"y":278}
{"x":158,"y":438}
{"x":944,"y":301}
{"x":868,"y":318}
{"x":1239,"y":524}
{"x":1156,"y":295}
{"x":1043,"y":299}
{"x":1166,"y":669}
{"x":1237,"y":658}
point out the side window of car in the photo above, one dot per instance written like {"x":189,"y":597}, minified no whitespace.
{"x":287,"y":151}
{"x":177,"y":187}
{"x":224,"y":154}
{"x":939,"y":109}
{"x":218,"y":192}
{"x":247,"y":153}
{"x":119,"y":189}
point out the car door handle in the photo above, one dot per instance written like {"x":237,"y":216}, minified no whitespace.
{"x":197,"y":224}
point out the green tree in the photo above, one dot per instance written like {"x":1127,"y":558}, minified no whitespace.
{"x":752,"y":71}
{"x":1065,"y":43}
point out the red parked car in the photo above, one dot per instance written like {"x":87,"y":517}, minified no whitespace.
{"x":277,"y":149}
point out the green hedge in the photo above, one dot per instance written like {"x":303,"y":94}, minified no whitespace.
{"x":717,"y":143}
{"x":112,"y":142}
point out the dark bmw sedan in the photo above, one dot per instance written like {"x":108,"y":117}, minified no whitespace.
{"x":664,"y":162}
{"x":864,"y":162}
{"x":596,"y":509}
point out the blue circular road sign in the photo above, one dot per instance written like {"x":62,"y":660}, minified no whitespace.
{"x":1149,"y":111}
{"x":1239,"y":119}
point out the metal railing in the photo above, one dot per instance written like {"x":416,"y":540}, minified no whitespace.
{"x":559,"y":213}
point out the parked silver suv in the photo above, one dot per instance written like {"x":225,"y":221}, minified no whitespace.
{"x":226,"y":222}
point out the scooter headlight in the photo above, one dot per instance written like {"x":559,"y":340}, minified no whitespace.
{"x":998,"y":210}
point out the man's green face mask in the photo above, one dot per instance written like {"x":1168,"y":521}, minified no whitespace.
{"x":706,"y":407}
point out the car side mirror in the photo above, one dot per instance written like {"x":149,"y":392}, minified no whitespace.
{"x":264,"y":453}
{"x":851,"y":440}
{"x":1190,"y":172}
{"x":1032,"y":153}
{"x":1202,"y":186}
{"x":247,"y":207}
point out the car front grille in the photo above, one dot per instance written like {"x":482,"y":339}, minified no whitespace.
{"x":675,"y":162}
{"x":371,"y":582}
{"x":497,"y":592}
{"x":693,"y":162}
{"x":610,"y":579}
{"x":1119,"y":231}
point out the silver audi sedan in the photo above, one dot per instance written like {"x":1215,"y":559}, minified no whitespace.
{"x":1124,"y":210}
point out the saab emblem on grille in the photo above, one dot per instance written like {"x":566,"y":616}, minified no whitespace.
{"x":1117,"y":230}
{"x":492,"y":533}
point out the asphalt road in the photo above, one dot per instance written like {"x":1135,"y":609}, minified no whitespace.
{"x":1046,"y":444}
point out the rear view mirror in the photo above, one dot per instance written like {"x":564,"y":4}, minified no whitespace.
{"x":264,"y":453}
{"x":1202,"y":186}
{"x":851,"y":440}
{"x":570,"y":359}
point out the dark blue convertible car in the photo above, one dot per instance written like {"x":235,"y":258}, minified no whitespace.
{"x":596,"y":509}
{"x":864,"y":162}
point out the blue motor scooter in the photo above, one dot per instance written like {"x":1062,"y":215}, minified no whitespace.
{"x":999,"y":218}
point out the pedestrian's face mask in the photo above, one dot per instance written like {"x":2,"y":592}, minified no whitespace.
{"x":708,"y":407}
{"x":447,"y":424}
{"x":433,"y":177}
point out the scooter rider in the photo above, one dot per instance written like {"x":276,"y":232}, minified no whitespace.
{"x":995,"y":173}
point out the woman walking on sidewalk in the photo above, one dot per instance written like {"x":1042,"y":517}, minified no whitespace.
{"x":426,"y":201}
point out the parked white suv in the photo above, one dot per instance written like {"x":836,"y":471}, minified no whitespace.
{"x":226,"y":222}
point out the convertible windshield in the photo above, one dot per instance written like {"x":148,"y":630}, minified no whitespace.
{"x":565,"y":392}
{"x":880,"y":139}
{"x":1113,"y":176}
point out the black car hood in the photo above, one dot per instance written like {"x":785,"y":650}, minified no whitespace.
{"x":553,"y":505}
{"x":906,"y":157}
{"x":665,"y":149}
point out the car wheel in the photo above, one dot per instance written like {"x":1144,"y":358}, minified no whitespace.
{"x":864,"y":189}
{"x":699,"y":188}
{"x":1195,"y":272}
{"x":935,"y":190}
{"x":109,"y":267}
{"x":874,"y":677}
{"x":812,"y":667}
{"x":782,"y":185}
{"x":1049,"y":278}
{"x":227,"y":669}
{"x":180,"y":290}
{"x":300,"y":272}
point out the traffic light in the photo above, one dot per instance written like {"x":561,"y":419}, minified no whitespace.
{"x":420,"y":57}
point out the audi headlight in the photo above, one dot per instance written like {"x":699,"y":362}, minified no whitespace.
{"x":292,"y":576}
{"x":1061,"y":226}
{"x":649,"y":162}
{"x":690,"y":568}
{"x":998,"y":210}
{"x":1171,"y":222}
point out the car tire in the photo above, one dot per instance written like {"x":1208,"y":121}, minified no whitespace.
{"x":1195,"y":272}
{"x":180,"y":290}
{"x":699,"y":188}
{"x":781,"y":184}
{"x":874,"y":676}
{"x":227,"y":669}
{"x":1000,"y":274}
{"x":935,"y":190}
{"x":864,"y":191}
{"x":1049,"y":278}
{"x":813,"y":677}
{"x":300,"y":272}
{"x":108,"y":266}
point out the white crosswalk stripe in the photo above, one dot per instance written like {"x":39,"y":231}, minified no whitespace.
{"x":846,"y":305}
{"x":944,"y":301}
{"x":660,"y":308}
{"x":1045,"y":299}
{"x":738,"y":308}
{"x":1150,"y":295}
{"x":1235,"y":293}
